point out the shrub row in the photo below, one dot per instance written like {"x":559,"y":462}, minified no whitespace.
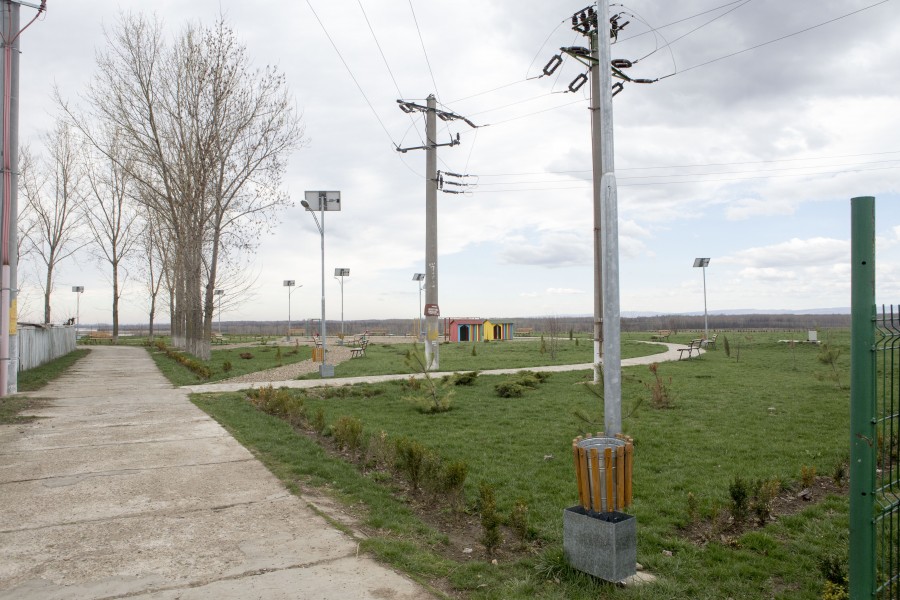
{"x":195,"y":366}
{"x":280,"y":403}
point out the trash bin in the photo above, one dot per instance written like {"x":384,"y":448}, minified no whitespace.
{"x":318,"y":354}
{"x":603,"y":471}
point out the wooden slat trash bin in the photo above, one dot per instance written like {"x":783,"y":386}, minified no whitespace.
{"x":603,"y":471}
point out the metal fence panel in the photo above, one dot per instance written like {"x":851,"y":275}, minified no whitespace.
{"x":39,"y":345}
{"x":887,"y":465}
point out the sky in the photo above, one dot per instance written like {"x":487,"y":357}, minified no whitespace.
{"x":749,"y":159}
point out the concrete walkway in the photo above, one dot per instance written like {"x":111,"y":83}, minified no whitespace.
{"x":124,"y":489}
{"x":670,"y":354}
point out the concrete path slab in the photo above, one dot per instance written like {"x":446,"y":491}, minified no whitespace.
{"x":125,"y":489}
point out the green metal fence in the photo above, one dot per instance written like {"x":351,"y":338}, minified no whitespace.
{"x":874,"y":423}
{"x":887,"y":466}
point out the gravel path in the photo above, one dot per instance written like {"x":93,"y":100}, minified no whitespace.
{"x":336,"y":355}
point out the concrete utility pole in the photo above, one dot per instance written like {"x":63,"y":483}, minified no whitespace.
{"x":609,"y":221}
{"x":432,"y":308}
{"x":432,"y":343}
{"x":598,"y":27}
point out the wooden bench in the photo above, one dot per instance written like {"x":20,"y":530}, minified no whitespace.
{"x":524,"y":331}
{"x":710,"y":344}
{"x":97,"y":337}
{"x":360,"y":350}
{"x":661,"y":335}
{"x":694,"y":345}
{"x":217,"y":338}
{"x":357,"y":341}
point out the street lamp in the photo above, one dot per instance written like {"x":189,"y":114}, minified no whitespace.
{"x":341,"y":272}
{"x":420,"y":277}
{"x":289,"y":284}
{"x":219,"y":294}
{"x":78,"y":289}
{"x":703,"y":263}
{"x":322,"y":201}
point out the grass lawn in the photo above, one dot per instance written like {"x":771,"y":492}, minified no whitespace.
{"x":390,"y":358}
{"x":766,"y":411}
{"x":262,"y":357}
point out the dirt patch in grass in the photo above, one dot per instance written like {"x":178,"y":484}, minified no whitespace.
{"x":13,"y":407}
{"x":722,"y":528}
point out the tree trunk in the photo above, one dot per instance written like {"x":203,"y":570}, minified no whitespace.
{"x":47,"y":295}
{"x":115,"y":304}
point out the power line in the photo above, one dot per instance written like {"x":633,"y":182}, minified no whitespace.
{"x":425,"y":52}
{"x":714,"y":173}
{"x":729,"y":164}
{"x":537,"y":112}
{"x":700,"y":14}
{"x":648,"y":183}
{"x":380,"y":51}
{"x":346,"y":66}
{"x":383,"y":57}
{"x":784,"y":37}
{"x":695,"y":29}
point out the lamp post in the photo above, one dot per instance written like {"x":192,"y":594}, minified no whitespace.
{"x":322,"y":201}
{"x":289,"y":284}
{"x":703,"y":263}
{"x":420,"y":277}
{"x":78,"y":289}
{"x":219,"y":294}
{"x":342,"y":272}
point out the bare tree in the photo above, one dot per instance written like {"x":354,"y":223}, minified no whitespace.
{"x":53,"y":189}
{"x":205,"y":136}
{"x":28,"y":185}
{"x":153,"y":253}
{"x":110,"y":214}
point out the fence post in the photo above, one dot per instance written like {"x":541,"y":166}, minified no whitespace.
{"x":862,"y":398}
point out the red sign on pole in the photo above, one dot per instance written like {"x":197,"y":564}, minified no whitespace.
{"x":432,"y":310}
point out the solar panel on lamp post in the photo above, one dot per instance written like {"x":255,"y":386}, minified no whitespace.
{"x":322,"y":201}
{"x":341,"y":272}
{"x":78,"y":289}
{"x":703,"y":263}
{"x":289,"y":284}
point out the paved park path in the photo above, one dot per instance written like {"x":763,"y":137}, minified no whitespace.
{"x":124,"y":489}
{"x":670,"y":354}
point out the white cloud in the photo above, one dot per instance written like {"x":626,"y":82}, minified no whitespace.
{"x":747,"y":208}
{"x":795,"y":252}
{"x":564,"y":292}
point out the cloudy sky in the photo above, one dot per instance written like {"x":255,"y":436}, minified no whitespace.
{"x":750,"y":160}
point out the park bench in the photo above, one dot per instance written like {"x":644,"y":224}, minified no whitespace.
{"x":524,"y":331}
{"x":98,"y":337}
{"x":694,"y":345}
{"x":217,"y":338}
{"x":710,"y":344}
{"x":357,"y":341}
{"x":360,"y":350}
{"x":661,"y":335}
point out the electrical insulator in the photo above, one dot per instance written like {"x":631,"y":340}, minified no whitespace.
{"x":578,"y":82}
{"x":617,"y":87}
{"x":621,"y":63}
{"x":553,"y":64}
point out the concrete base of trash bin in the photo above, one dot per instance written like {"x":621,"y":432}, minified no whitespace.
{"x":601,"y":544}
{"x":326,"y":370}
